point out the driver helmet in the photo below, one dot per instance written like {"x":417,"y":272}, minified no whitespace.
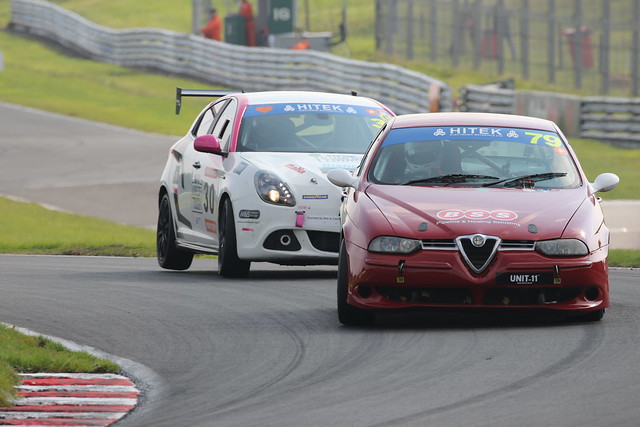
{"x":424,"y":153}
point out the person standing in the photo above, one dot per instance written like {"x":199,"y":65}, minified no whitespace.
{"x":213,"y":29}
{"x":249,"y":22}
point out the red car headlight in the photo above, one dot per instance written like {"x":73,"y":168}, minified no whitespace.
{"x":394,"y":245}
{"x":562,"y":247}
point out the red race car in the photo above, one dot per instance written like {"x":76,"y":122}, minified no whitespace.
{"x":471,"y":210}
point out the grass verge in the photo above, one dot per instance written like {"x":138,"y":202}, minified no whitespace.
{"x":67,"y":234}
{"x":26,"y":353}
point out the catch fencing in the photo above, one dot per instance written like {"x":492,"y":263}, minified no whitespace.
{"x":228,"y":65}
{"x":581,"y":44}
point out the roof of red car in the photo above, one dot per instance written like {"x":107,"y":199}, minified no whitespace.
{"x":472,"y":119}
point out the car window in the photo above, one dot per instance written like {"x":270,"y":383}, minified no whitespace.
{"x":203,"y":125}
{"x":334,"y":128}
{"x":370,"y":152}
{"x":474,"y":156}
{"x":224,"y":124}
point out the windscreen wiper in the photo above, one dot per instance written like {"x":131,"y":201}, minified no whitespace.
{"x":454,"y":178}
{"x":526,"y":180}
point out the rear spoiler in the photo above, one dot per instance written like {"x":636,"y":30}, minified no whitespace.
{"x":199,"y":92}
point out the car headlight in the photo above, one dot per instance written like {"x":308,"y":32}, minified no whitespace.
{"x":394,"y":245}
{"x":272,"y":189}
{"x":562,"y":247}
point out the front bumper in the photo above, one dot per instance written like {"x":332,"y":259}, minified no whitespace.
{"x":430,"y":279}
{"x":290,"y":236}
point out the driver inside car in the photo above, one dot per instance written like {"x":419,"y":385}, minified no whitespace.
{"x":275,"y":132}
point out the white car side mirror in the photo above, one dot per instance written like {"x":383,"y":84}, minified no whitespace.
{"x":605,"y":182}
{"x":342,"y":178}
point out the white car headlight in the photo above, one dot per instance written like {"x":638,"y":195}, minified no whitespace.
{"x":272,"y":189}
{"x":562,"y":247}
{"x":394,"y":245}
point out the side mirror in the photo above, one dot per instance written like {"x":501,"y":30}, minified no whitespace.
{"x":605,"y":182}
{"x":342,"y":178}
{"x":207,"y":144}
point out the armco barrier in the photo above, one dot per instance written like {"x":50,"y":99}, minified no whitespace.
{"x":609,"y":119}
{"x":238,"y":67}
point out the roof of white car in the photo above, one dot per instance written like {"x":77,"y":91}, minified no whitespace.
{"x":308,"y":97}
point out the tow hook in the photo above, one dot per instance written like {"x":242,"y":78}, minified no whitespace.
{"x":556,"y":276}
{"x":400,"y":276}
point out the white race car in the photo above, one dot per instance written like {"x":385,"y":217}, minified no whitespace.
{"x":248,"y":181}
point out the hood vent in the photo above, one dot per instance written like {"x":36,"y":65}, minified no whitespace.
{"x":478,"y":250}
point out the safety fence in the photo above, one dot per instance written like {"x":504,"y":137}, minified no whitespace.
{"x":579,"y":44}
{"x":610,"y":119}
{"x":228,"y":65}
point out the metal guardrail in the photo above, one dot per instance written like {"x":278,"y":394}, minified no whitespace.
{"x":246,"y":68}
{"x":610,"y":119}
{"x":486,"y":99}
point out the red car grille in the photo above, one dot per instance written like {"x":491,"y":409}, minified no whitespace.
{"x":477,"y":256}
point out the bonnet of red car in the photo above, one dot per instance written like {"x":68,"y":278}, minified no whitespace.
{"x":449,"y":212}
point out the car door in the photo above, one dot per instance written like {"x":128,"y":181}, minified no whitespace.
{"x":208,"y":177}
{"x":190,"y":200}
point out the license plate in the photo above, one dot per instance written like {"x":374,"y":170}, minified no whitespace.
{"x":525,"y":279}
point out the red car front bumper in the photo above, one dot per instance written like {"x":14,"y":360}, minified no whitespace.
{"x":523,"y":279}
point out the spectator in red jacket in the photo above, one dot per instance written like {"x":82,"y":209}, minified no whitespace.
{"x":249,"y":23}
{"x":213,"y":29}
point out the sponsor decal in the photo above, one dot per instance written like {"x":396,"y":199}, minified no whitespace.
{"x":338,"y":158}
{"x":524,"y":136}
{"x":241,"y":167}
{"x":338,"y":161}
{"x":211,"y":226}
{"x":249,"y":214}
{"x":196,"y":196}
{"x":377,"y":116}
{"x":295,"y":168}
{"x":453,"y":214}
{"x":477,"y":215}
{"x":325,"y":108}
{"x":322,"y":220}
{"x":210,"y":172}
{"x":315,"y":196}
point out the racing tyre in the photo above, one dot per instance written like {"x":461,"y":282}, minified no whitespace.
{"x":169,"y":256}
{"x":229,"y":265}
{"x":347,"y":314}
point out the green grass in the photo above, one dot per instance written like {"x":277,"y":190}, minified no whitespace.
{"x":624,"y":258}
{"x":39,"y":76}
{"x":8,"y":380}
{"x":597,"y":157}
{"x":26,"y":353}
{"x":67,"y":234}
